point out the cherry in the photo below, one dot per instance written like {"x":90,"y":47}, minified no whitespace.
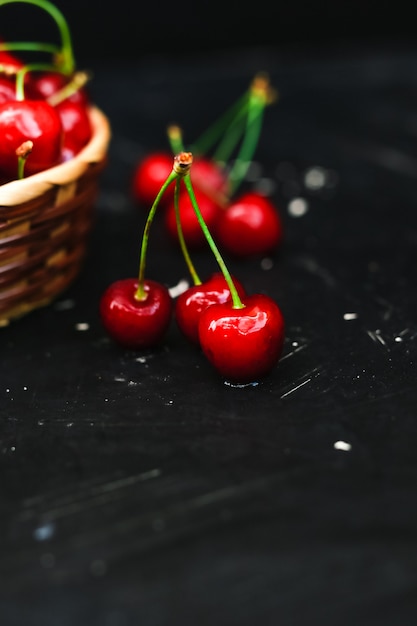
{"x":193,"y":234}
{"x":77,"y":127}
{"x":149,"y":175}
{"x":245,"y":343}
{"x":47,"y":84}
{"x":7,"y":89}
{"x":9,"y":61}
{"x":189,"y":305}
{"x":29,"y":120}
{"x":250,"y":225}
{"x":132,"y":321}
{"x":209,"y":177}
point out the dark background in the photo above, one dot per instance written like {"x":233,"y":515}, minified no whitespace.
{"x":144,"y":491}
{"x":112,"y":31}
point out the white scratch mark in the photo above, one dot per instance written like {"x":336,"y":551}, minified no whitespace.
{"x":179,"y":288}
{"x":295,"y":388}
{"x":82,"y":326}
{"x":342,"y":445}
{"x":267,"y":264}
{"x":376,"y":336}
{"x":297,"y":207}
{"x":44,"y":532}
{"x":64,"y":305}
{"x":350,"y":316}
{"x":293,"y":351}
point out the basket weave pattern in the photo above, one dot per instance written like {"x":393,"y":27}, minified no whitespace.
{"x":45,"y":221}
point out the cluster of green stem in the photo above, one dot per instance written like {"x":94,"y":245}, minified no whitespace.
{"x":235,"y":134}
{"x":181,"y":175}
{"x":63,"y":55}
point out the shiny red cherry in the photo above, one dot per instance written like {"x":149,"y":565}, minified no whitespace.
{"x":250,"y":225}
{"x":243,"y":344}
{"x":208,"y":176}
{"x":7,"y":89}
{"x":190,"y":304}
{"x":10,"y":61}
{"x":148,"y":177}
{"x":134,"y":323}
{"x":34,"y":120}
{"x":77,"y":127}
{"x":193,"y":234}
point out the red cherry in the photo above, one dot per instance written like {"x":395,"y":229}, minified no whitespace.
{"x":77,"y":127}
{"x":190,"y":304}
{"x":251,"y":225}
{"x":191,"y":228}
{"x":47,"y":84}
{"x":148,"y":177}
{"x":243,"y":344}
{"x":134,"y":323}
{"x":33,"y":120}
{"x":10,"y":61}
{"x":208,"y":176}
{"x":7,"y":89}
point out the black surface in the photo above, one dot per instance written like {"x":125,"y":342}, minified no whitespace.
{"x":142,"y":489}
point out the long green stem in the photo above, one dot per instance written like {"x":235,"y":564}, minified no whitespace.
{"x":33,"y":46}
{"x":237,"y":302}
{"x":215,"y":131}
{"x":140,"y":292}
{"x":248,"y":146}
{"x":175,"y":138}
{"x":195,"y":277}
{"x":66,"y":55}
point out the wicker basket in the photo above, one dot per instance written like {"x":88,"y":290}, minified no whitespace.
{"x":45,"y":220}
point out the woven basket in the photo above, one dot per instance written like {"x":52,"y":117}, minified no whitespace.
{"x":45,"y":220}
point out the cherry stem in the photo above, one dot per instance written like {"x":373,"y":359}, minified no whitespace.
{"x":35,"y":46}
{"x":65,"y":59}
{"x":22,"y":154}
{"x":78,"y":81}
{"x":183,"y":245}
{"x":237,"y":302}
{"x":248,"y":146}
{"x":140,"y":292}
{"x":20,"y":76}
{"x":214,"y":132}
{"x":175,"y":138}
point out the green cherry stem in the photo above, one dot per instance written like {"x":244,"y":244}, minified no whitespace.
{"x":213,"y":133}
{"x":33,"y":46}
{"x":193,"y":273}
{"x":237,"y":302}
{"x":175,"y":138}
{"x":77,"y":82}
{"x":22,"y":154}
{"x":261,"y":95}
{"x":140,"y":291}
{"x":65,"y":55}
{"x":21,"y":74}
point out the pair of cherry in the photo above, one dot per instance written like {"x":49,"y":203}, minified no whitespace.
{"x":44,"y":107}
{"x":241,"y":334}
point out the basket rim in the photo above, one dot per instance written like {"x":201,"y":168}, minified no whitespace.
{"x":19,"y":191}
